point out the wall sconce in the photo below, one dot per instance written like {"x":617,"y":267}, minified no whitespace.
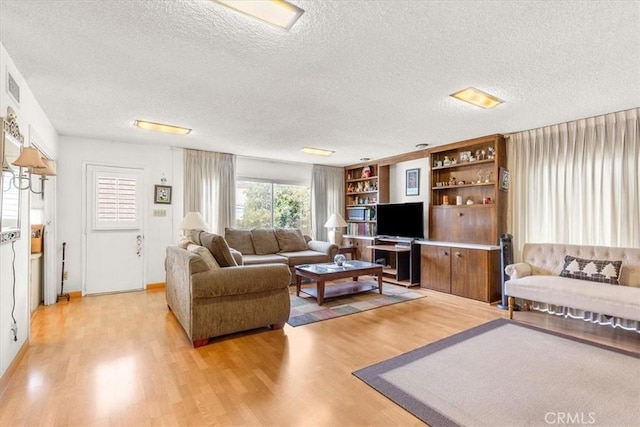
{"x":31,"y":159}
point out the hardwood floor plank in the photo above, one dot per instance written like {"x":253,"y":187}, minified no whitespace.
{"x":124,"y":360}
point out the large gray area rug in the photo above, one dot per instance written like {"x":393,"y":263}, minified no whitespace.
{"x":503,"y":373}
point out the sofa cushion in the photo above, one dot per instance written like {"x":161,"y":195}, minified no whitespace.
{"x":218,"y":248}
{"x":304,"y":257}
{"x":264,"y":259}
{"x":602,"y":271}
{"x":290,"y":239}
{"x":204,"y":254}
{"x":239,"y":240}
{"x":264,"y":241}
{"x":619,"y":301}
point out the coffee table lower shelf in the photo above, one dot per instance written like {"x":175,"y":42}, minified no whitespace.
{"x":340,"y":289}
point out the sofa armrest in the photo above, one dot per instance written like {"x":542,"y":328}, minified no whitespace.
{"x":237,"y":255}
{"x":327,"y":248}
{"x":519,"y":270}
{"x":244,"y":279}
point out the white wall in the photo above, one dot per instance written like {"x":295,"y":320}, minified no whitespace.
{"x":397,"y":180}
{"x":32,"y":118}
{"x":159,"y":232}
{"x":298,"y":173}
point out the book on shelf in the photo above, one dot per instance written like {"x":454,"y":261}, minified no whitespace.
{"x":361,"y":229}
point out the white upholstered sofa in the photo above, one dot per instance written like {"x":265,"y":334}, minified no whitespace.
{"x":538,"y":278}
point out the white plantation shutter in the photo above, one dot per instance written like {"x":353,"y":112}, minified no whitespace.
{"x":116,"y":196}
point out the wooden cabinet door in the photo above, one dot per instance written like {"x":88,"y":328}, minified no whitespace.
{"x":435,"y":268}
{"x":468,"y":224}
{"x":469,"y":273}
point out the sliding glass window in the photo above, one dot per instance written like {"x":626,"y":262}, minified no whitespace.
{"x":272,"y":204}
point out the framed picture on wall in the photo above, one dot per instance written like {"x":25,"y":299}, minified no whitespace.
{"x":413,"y":182}
{"x":504,"y":179}
{"x":162,"y":194}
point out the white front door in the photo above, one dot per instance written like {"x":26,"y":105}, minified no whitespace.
{"x":114,"y":258}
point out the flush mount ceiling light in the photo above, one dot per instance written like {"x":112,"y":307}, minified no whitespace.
{"x":317,"y":151}
{"x":274,"y":12}
{"x":423,"y":145}
{"x":160,"y":127}
{"x":477,"y":97}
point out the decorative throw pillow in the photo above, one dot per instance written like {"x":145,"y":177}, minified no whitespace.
{"x":204,"y":254}
{"x":183,"y":242}
{"x":218,"y":248}
{"x":264,"y":241}
{"x":240,"y":240}
{"x":290,"y":240}
{"x":594,"y":270}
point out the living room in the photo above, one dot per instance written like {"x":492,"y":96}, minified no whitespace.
{"x":162,"y":159}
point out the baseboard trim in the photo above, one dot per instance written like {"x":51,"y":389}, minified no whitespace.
{"x":8,"y":375}
{"x":75,"y":294}
{"x":155,"y":286}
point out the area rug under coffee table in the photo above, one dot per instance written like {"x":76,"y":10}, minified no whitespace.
{"x":305,"y":310}
{"x":508,"y":374}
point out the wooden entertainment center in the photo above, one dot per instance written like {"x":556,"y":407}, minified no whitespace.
{"x":467,"y":199}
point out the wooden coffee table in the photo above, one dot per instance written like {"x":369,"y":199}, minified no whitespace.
{"x":321,"y":273}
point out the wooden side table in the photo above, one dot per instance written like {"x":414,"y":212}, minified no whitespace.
{"x":348,"y":250}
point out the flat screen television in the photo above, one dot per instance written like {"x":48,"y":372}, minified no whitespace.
{"x":400,"y":220}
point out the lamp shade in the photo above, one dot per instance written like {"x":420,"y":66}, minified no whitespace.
{"x":48,"y":170}
{"x":335,"y":220}
{"x":29,"y":158}
{"x":193,"y":221}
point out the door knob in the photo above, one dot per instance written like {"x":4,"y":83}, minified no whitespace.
{"x":458,"y":254}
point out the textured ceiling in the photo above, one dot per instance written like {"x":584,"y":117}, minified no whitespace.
{"x":363,"y":78}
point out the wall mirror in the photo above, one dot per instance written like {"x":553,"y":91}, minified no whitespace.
{"x":10,"y":200}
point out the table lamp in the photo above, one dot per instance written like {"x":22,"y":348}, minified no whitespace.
{"x":192,"y":221}
{"x":335,"y":222}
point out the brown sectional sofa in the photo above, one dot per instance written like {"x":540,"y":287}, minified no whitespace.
{"x":211,"y":295}
{"x":280,"y":246}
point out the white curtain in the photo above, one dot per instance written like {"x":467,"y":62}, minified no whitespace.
{"x":327,"y":197}
{"x":210,"y":187}
{"x":577,"y":182}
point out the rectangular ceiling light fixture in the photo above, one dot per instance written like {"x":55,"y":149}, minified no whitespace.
{"x":274,"y":12}
{"x":160,"y":127}
{"x":477,"y":97}
{"x":317,"y":151}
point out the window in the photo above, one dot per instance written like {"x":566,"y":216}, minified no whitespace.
{"x":271,"y":204}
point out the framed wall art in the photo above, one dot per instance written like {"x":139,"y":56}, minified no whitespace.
{"x":162,"y":194}
{"x":413,"y":182}
{"x":504,"y":179}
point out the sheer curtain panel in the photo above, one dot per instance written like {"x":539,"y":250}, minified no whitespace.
{"x":327,"y":197}
{"x":209,"y":187}
{"x":577,"y":182}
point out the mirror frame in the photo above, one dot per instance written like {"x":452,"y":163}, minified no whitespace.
{"x":10,"y":135}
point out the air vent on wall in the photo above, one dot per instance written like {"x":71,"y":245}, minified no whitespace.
{"x":13,"y":88}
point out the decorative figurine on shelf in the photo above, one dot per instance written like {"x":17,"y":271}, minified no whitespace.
{"x":447,"y":161}
{"x":487,"y":177}
{"x":452,"y":180}
{"x":480,"y":174}
{"x":350,"y":188}
{"x":492,"y":153}
{"x":360,"y":187}
{"x":367,"y":186}
{"x":366,"y":171}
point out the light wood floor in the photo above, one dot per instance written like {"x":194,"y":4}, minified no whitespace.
{"x":124,"y":360}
